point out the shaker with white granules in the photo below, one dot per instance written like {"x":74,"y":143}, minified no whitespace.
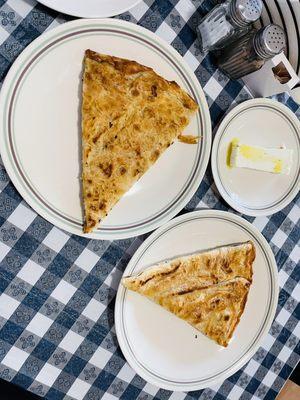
{"x":249,"y":53}
{"x":227,"y":22}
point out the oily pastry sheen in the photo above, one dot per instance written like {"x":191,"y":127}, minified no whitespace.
{"x":130,"y":116}
{"x":208,"y":289}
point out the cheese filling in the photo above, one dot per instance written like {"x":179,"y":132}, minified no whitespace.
{"x":277,"y":161}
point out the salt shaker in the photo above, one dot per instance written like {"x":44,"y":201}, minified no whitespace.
{"x":249,"y":53}
{"x":226,"y":22}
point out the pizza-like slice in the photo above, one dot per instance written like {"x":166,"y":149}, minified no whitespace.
{"x":130,"y":116}
{"x":208,"y":290}
{"x":195,"y":271}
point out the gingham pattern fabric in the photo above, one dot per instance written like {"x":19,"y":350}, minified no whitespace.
{"x":57,"y":336}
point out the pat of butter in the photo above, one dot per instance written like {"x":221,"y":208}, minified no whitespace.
{"x":277,"y":161}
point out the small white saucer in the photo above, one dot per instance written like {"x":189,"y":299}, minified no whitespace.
{"x":260,"y":122}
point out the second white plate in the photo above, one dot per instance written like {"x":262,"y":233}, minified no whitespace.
{"x":90,"y":8}
{"x":165,"y":350}
{"x":261,"y":122}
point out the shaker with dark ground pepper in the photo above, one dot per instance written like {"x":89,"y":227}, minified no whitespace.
{"x":249,"y":53}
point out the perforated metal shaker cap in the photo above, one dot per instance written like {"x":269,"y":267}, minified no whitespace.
{"x":269,"y":41}
{"x":245,"y":12}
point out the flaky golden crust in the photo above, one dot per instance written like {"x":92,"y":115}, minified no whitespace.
{"x":130,"y":115}
{"x":195,"y":271}
{"x":202,"y":288}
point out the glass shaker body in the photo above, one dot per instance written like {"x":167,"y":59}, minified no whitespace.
{"x":240,"y":59}
{"x":226,"y":23}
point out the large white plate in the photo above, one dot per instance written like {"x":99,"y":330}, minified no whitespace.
{"x":40,"y":136}
{"x":166,"y":351}
{"x":90,"y":8}
{"x":260,"y":122}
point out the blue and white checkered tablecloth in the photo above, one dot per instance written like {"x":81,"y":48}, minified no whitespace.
{"x":57,"y":336}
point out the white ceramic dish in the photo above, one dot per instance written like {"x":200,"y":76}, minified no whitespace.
{"x":261,"y":122}
{"x":165,"y":350}
{"x":40,"y":140}
{"x":90,"y":8}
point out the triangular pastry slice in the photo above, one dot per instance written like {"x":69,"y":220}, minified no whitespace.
{"x":130,"y":116}
{"x":195,"y":271}
{"x":208,"y":289}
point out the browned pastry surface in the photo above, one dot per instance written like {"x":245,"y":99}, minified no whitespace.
{"x":208,"y":289}
{"x":130,"y":116}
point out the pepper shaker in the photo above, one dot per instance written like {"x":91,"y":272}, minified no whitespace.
{"x":226,"y":22}
{"x":249,"y":53}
